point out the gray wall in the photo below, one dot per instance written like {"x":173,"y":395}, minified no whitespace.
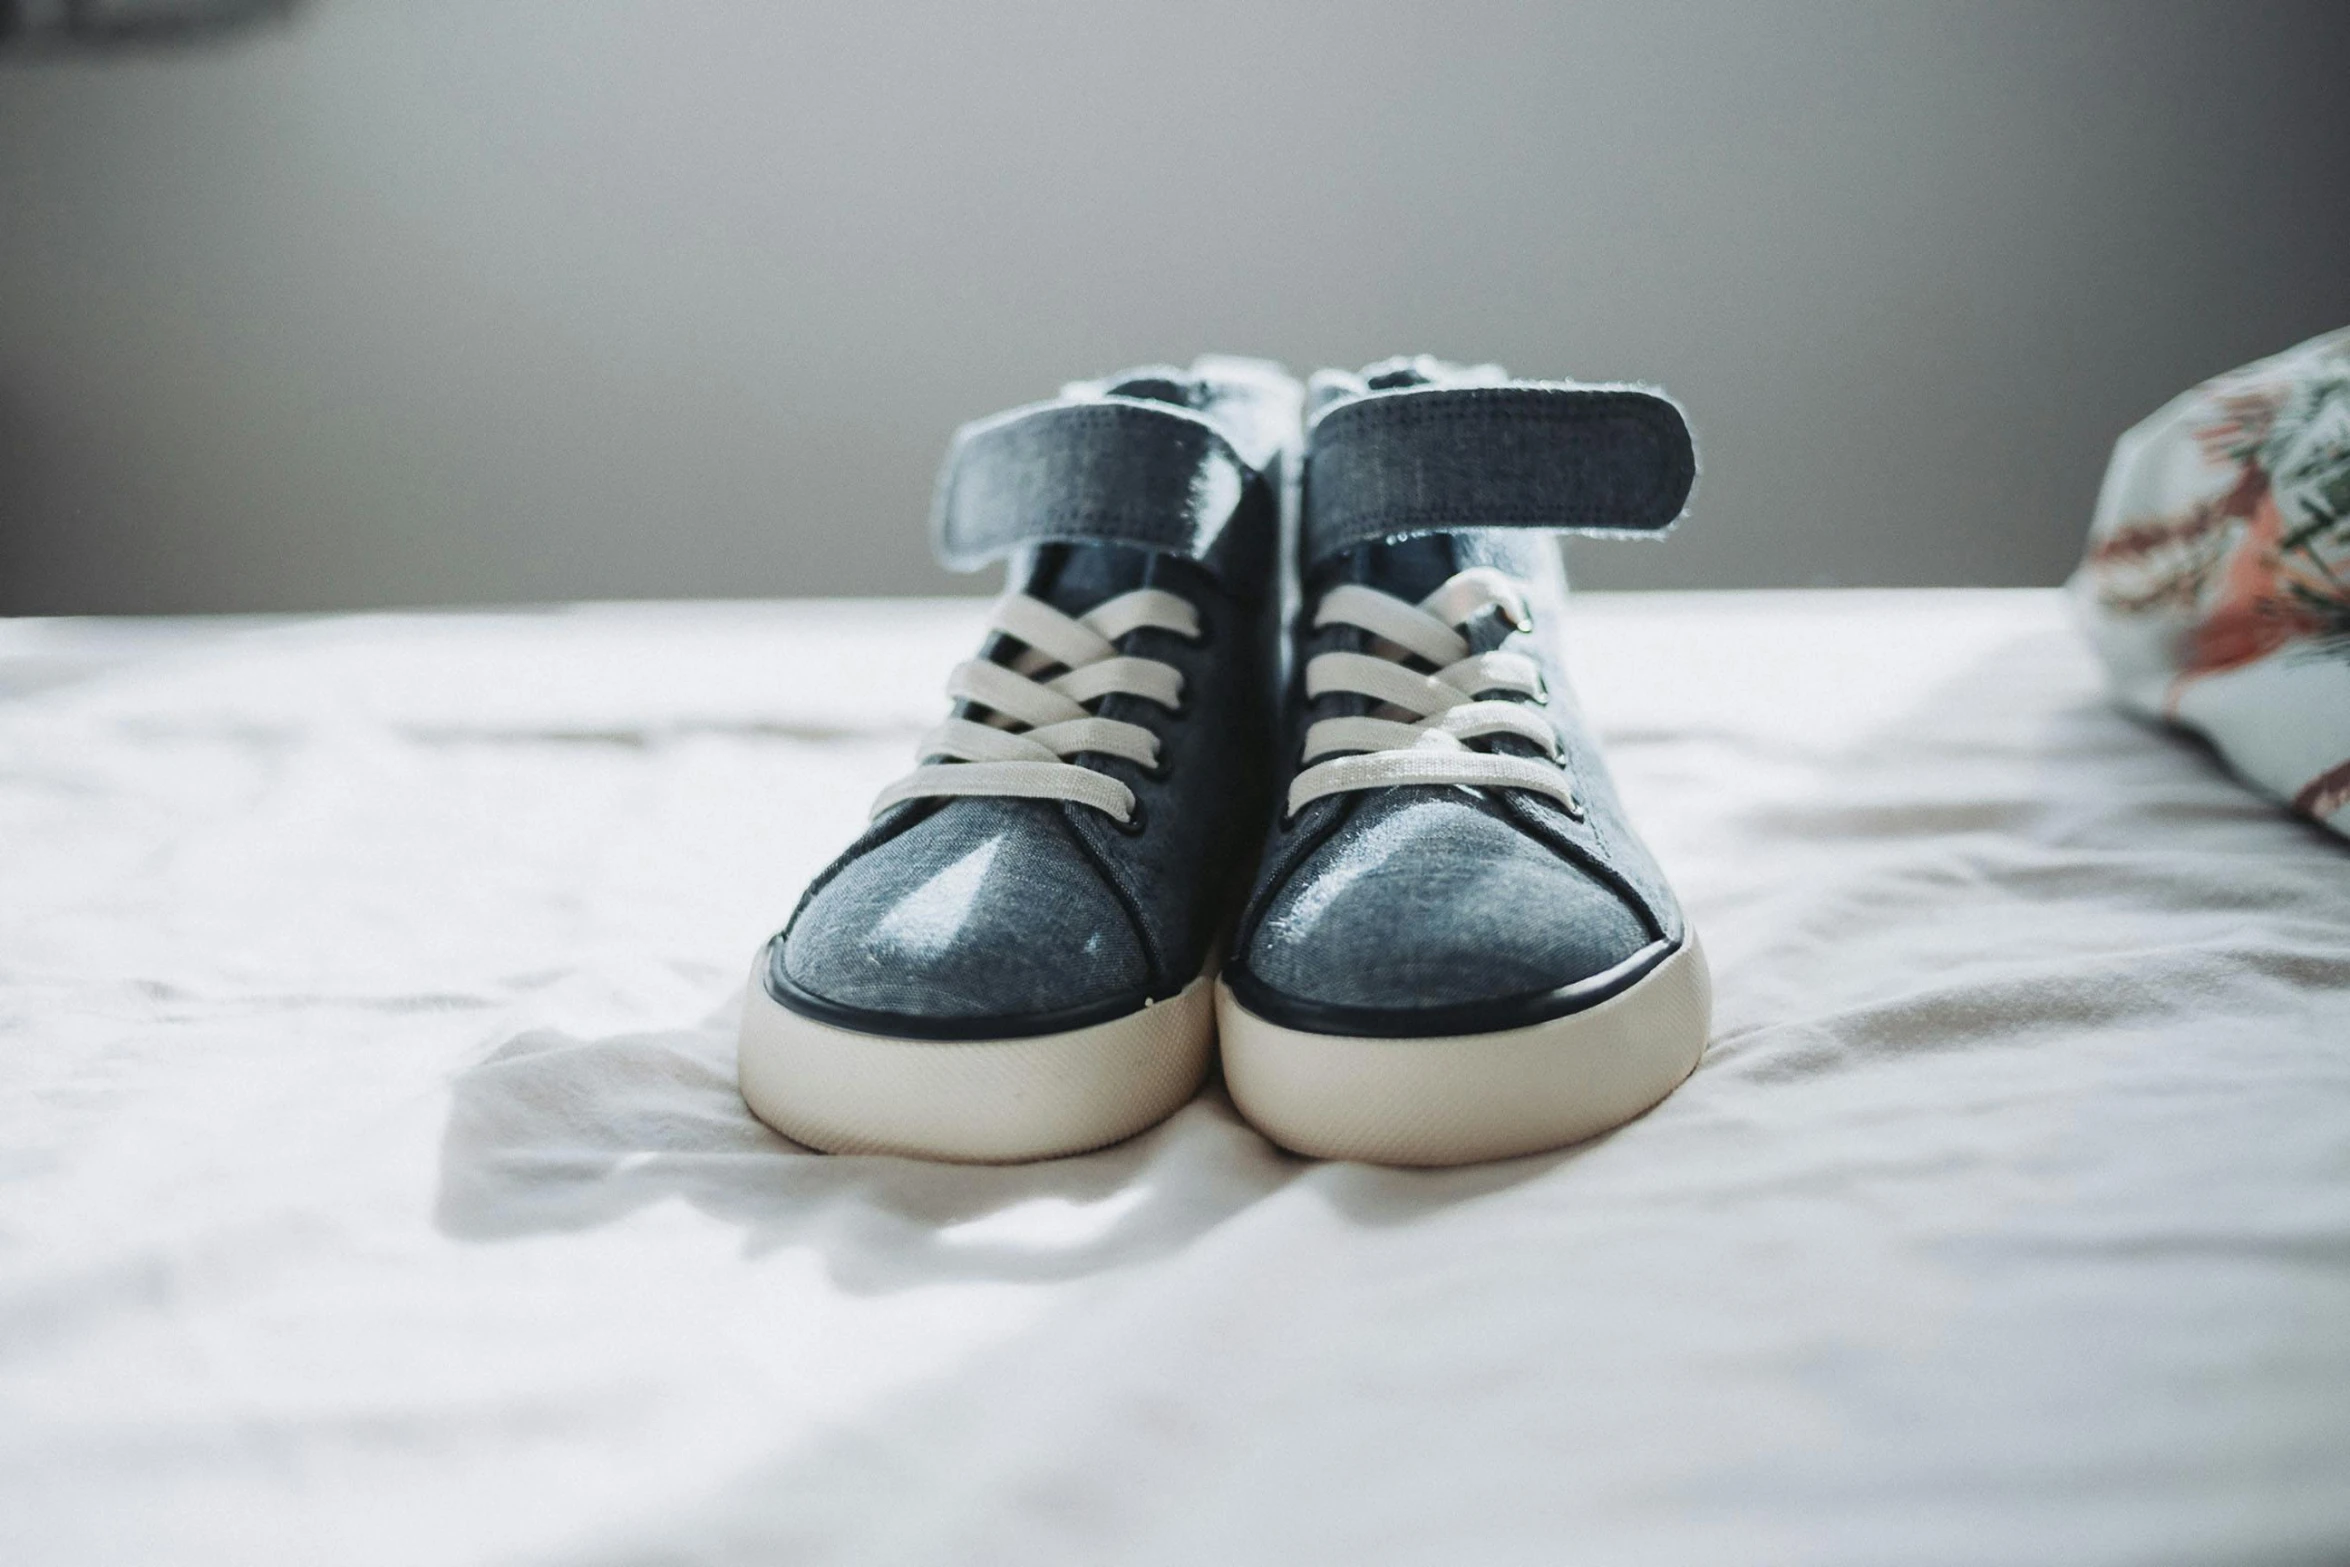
{"x":421,"y":303}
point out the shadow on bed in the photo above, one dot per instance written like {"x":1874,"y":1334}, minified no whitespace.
{"x":553,"y":1133}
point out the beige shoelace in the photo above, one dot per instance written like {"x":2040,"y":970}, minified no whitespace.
{"x":1419,"y":732}
{"x":1040,"y":721}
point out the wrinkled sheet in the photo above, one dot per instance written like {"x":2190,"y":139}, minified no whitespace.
{"x":373,"y":1188}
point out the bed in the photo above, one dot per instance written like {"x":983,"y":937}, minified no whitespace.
{"x":373,"y":1187}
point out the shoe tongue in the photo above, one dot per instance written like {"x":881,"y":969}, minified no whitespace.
{"x":1409,"y":569}
{"x":1074,"y":578}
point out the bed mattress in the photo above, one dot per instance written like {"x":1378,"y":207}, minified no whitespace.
{"x":374,"y":1188}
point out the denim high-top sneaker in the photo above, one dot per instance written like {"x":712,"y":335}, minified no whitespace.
{"x":1012,"y":961}
{"x":1457,"y":948}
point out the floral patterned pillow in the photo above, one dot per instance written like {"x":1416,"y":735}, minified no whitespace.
{"x":2217,"y":582}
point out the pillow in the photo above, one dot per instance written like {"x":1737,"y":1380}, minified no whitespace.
{"x":2217,"y":581}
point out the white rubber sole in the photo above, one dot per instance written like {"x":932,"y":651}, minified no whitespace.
{"x":979,"y":1101}
{"x":1471,"y":1097}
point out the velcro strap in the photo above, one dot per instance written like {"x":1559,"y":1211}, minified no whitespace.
{"x":1440,"y":459}
{"x":1117,"y":470}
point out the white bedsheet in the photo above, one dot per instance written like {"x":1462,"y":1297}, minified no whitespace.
{"x":373,"y":1188}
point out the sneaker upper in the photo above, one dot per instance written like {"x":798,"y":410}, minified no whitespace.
{"x":1511,"y":888}
{"x":993,"y":913}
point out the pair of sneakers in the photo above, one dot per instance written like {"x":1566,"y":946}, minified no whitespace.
{"x":1270,"y":745}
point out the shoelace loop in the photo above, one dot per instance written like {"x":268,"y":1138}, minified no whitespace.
{"x":1441,"y":712}
{"x":1045,"y":720}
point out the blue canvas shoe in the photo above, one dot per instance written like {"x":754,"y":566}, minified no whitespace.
{"x":1457,"y":948}
{"x":1012,"y":962}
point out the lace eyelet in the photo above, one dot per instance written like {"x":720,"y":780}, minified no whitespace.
{"x":1136,"y":819}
